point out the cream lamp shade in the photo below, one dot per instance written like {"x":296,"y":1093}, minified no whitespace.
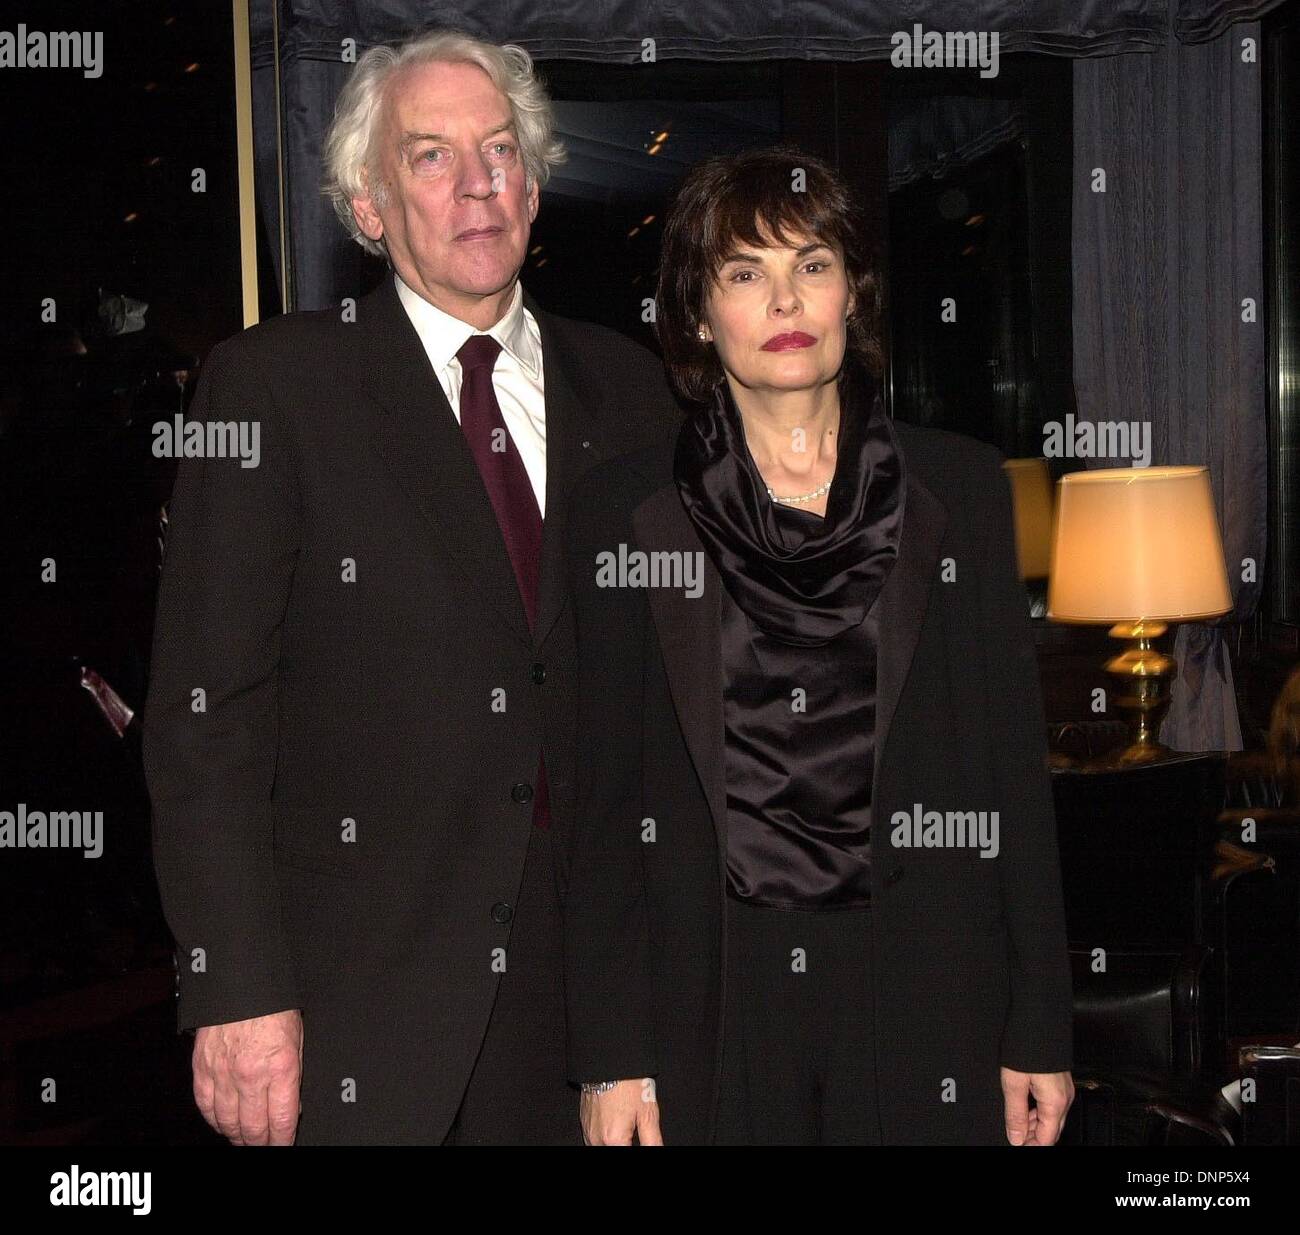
{"x":1031,"y":500}
{"x":1137,"y":544}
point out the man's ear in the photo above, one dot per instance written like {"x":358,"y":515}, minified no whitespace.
{"x":534,"y":198}
{"x":367,"y":217}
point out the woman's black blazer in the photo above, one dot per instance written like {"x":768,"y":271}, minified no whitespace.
{"x":971,"y":970}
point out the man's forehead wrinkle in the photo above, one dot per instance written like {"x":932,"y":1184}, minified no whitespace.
{"x":428,"y":106}
{"x":438,"y":132}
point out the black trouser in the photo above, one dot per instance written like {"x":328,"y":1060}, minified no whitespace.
{"x":799,"y":1046}
{"x":518,"y":1094}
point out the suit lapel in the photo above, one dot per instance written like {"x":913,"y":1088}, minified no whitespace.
{"x":419,"y":438}
{"x":690,"y":637}
{"x":690,"y":630}
{"x":902,"y":604}
{"x":568,"y":426}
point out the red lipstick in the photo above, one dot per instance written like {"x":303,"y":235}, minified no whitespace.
{"x":788,"y":341}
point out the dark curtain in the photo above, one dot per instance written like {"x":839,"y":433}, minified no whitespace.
{"x":1163,"y":261}
{"x":615,"y":30}
{"x":318,"y":40}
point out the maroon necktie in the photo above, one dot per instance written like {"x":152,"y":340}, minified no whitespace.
{"x":507,"y":484}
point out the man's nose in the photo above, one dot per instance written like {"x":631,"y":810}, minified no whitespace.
{"x":475,"y":176}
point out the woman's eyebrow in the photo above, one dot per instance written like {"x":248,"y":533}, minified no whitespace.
{"x":753,"y":257}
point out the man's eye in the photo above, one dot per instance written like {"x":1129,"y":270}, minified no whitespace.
{"x":736,"y":278}
{"x":430,"y":156}
{"x":503,"y":147}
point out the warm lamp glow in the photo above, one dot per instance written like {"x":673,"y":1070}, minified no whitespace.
{"x":1031,"y":498}
{"x":1137,"y":544}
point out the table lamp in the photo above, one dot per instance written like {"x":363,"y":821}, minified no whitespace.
{"x":1031,"y":502}
{"x":1138,"y":547}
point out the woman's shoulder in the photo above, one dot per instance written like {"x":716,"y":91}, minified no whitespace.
{"x":964,"y":474}
{"x":943,"y":455}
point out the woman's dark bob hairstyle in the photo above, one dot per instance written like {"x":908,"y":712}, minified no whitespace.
{"x":735,"y":199}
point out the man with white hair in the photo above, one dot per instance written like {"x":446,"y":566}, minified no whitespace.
{"x":358,"y":735}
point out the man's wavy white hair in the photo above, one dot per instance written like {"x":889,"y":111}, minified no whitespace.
{"x":352,"y":144}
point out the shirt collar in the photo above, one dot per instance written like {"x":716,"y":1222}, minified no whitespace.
{"x":443,"y":335}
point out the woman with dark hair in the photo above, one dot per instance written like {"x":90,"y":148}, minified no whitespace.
{"x":813,"y":893}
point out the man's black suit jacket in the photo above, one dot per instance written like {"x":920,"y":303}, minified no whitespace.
{"x":970,"y":970}
{"x":346,"y":704}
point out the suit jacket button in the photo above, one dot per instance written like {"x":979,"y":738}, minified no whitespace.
{"x":893,"y":877}
{"x":522,"y":792}
{"x":501,"y":912}
{"x":539,"y":674}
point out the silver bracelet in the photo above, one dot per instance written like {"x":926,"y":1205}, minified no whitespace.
{"x":598,"y":1086}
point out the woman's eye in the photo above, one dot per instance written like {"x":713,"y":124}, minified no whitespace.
{"x":740,"y":275}
{"x":820,"y":266}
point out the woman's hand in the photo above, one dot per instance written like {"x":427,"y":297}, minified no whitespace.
{"x":612,"y":1117}
{"x":1041,"y":1124}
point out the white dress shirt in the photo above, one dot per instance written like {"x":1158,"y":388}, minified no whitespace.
{"x":517,"y":377}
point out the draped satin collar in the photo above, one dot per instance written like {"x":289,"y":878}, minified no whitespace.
{"x":801,"y":579}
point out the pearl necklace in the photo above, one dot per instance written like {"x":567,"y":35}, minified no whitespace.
{"x":803,"y":497}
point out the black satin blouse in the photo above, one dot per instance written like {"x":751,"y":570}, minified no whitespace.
{"x":799,"y":639}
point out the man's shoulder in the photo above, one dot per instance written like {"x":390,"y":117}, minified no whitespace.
{"x":613,"y":488}
{"x":612,"y":356}
{"x":621,"y":384}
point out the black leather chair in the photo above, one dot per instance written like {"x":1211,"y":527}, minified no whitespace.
{"x":1135,"y":844}
{"x":1257,"y":925}
{"x":1148,"y":1042}
{"x":1148,"y":1012}
{"x":1272,"y":1115}
{"x":1134,"y":1108}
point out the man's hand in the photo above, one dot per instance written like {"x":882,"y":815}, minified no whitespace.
{"x":1041,"y":1124}
{"x":246,"y":1077}
{"x":610,"y":1118}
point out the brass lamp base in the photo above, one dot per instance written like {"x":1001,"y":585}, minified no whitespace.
{"x":1142,"y":678}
